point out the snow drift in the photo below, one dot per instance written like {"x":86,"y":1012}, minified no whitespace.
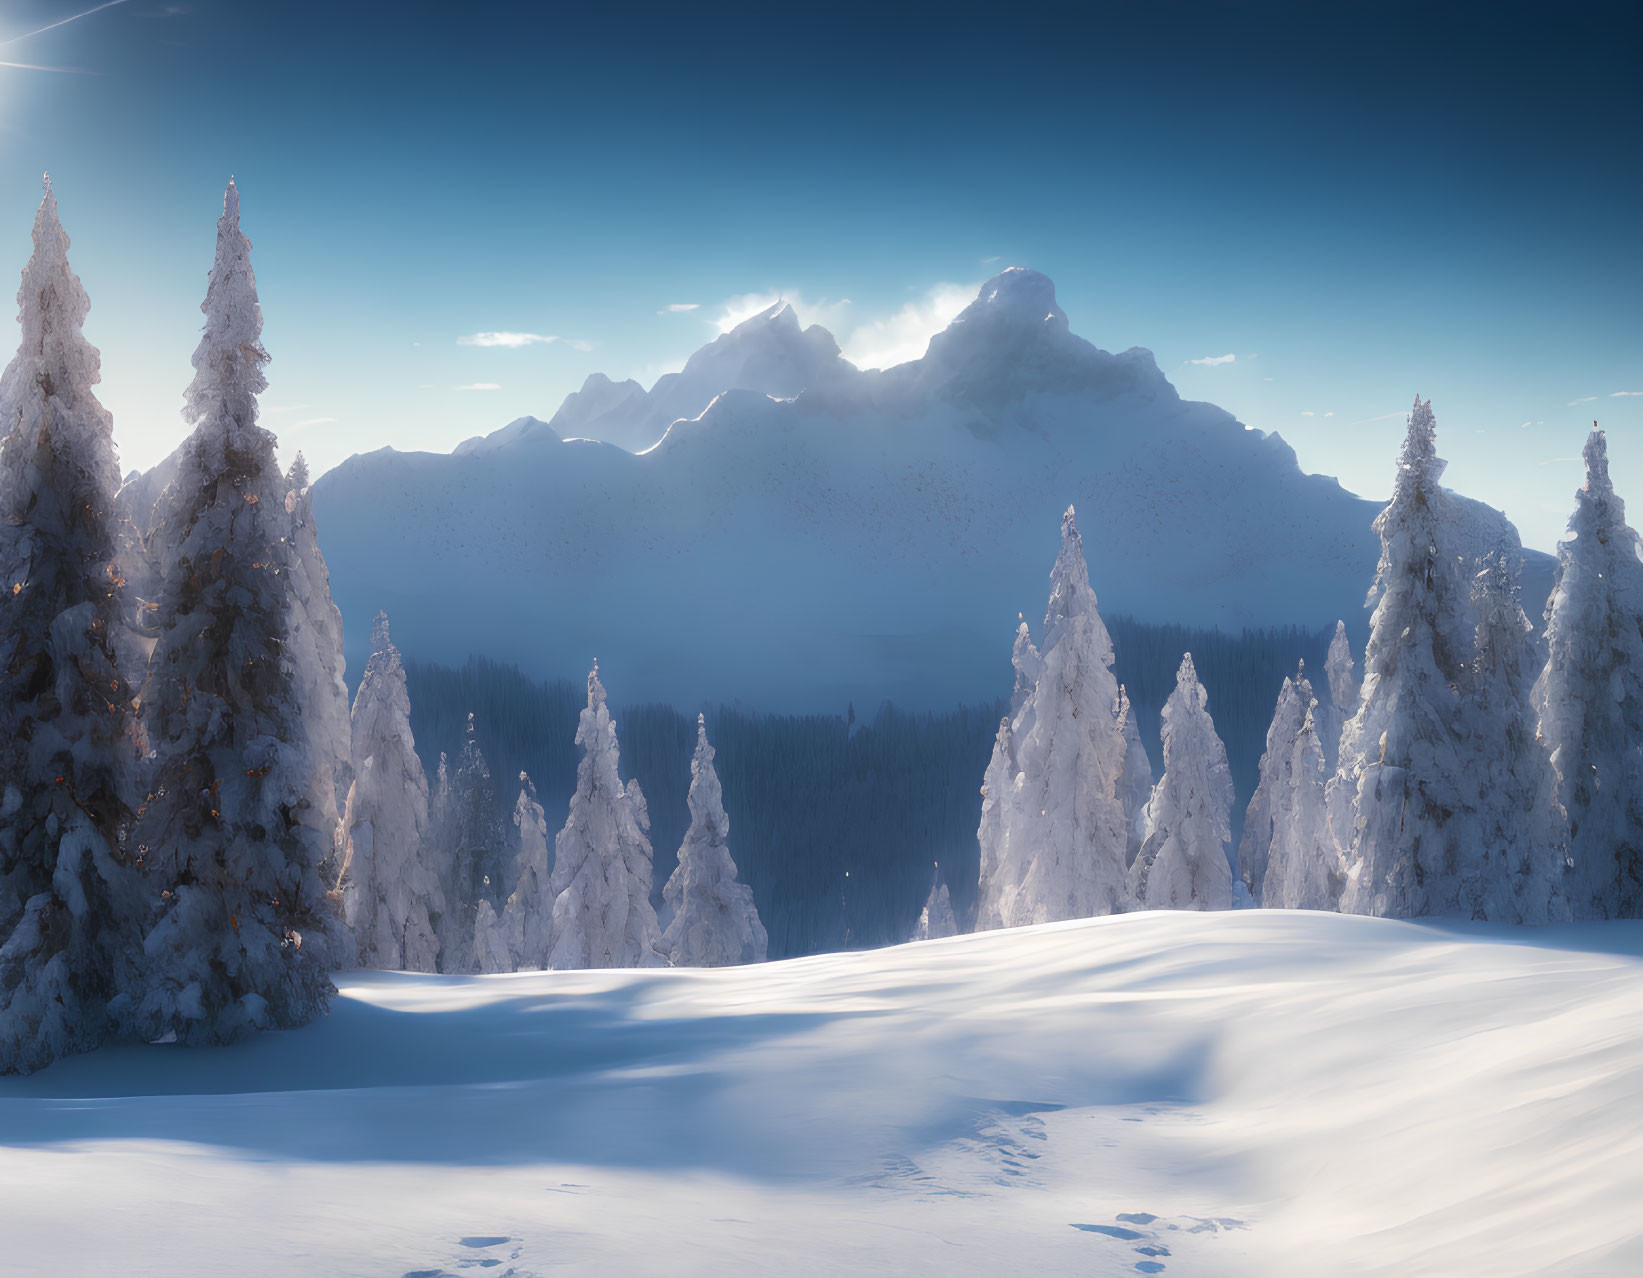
{"x":1237,"y":1093}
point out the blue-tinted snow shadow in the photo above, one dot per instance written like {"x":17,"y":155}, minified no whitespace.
{"x":1622,"y":938}
{"x":590,"y":1078}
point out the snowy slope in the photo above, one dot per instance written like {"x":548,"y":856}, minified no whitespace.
{"x":1250,"y":1093}
{"x":873,"y":536}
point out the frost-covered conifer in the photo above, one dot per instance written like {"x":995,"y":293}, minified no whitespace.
{"x":936,"y":920}
{"x":602,"y":868}
{"x":1342,"y":678}
{"x":314,"y":647}
{"x":1518,"y":837}
{"x":242,"y":810}
{"x":1136,"y":785}
{"x":465,"y":844}
{"x":1591,"y":695}
{"x":520,"y":938}
{"x":1274,"y":787}
{"x":70,"y":902}
{"x":714,"y":922}
{"x":390,"y":894}
{"x":1399,"y":783}
{"x":1053,"y":834}
{"x":1303,"y":867}
{"x":1183,"y":864}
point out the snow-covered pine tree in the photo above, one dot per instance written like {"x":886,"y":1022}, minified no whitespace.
{"x":1398,"y":785}
{"x":1591,"y":695}
{"x":520,"y":938}
{"x":713,"y":922}
{"x":1136,"y":785}
{"x":391,"y":895}
{"x":1272,"y":788}
{"x":466,"y":842}
{"x":1302,"y":868}
{"x":936,"y":920}
{"x":602,"y":869}
{"x":315,"y":643}
{"x":1518,"y":871}
{"x":1183,"y":865}
{"x":237,"y":822}
{"x":1342,"y":678}
{"x":70,"y":900}
{"x":1053,"y":834}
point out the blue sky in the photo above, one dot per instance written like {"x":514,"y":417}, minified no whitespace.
{"x":1357,"y":201}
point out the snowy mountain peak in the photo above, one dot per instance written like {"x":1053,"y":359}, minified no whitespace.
{"x":1016,"y":296}
{"x":519,"y":430}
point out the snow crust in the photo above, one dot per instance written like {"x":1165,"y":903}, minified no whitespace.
{"x":1260,"y":1093}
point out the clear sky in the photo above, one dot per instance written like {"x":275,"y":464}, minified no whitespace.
{"x":1308,"y":212}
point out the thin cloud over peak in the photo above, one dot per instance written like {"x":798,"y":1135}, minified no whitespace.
{"x":1214,"y":361}
{"x":675,"y":307}
{"x":513,"y":341}
{"x":1584,"y":399}
{"x":479,"y":386}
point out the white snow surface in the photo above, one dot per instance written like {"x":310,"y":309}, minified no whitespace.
{"x":1237,"y":1093}
{"x":869,"y":534}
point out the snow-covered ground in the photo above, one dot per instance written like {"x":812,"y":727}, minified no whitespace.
{"x":1221,"y":1094}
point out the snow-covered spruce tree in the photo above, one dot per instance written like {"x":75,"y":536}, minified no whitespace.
{"x":70,"y":902}
{"x":602,"y":869}
{"x":1135,"y":788}
{"x":1591,"y":695}
{"x":1519,"y":867}
{"x":714,"y":922}
{"x":520,"y":938}
{"x":1342,"y":678}
{"x":390,"y":894}
{"x":315,"y":640}
{"x":466,"y":842}
{"x":1273,"y":787}
{"x":237,"y":823}
{"x":1183,"y":865}
{"x":1303,"y":867}
{"x":1053,"y":834}
{"x":1399,"y":786}
{"x":936,"y":920}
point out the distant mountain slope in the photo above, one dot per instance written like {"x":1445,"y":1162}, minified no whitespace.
{"x":871,"y":535}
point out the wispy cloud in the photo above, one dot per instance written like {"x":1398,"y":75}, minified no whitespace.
{"x":673,"y":308}
{"x":511,"y":341}
{"x":479,"y":386}
{"x":829,"y":314}
{"x":1214,"y":361}
{"x":871,"y":343}
{"x":1308,"y":413}
{"x":1623,"y":394}
{"x":1584,"y":399}
{"x":1398,"y":416}
{"x":906,"y":335}
{"x":35,"y":66}
{"x":1329,"y":414}
{"x":52,"y":26}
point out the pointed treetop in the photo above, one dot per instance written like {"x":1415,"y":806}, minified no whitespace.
{"x":1186,"y":680}
{"x":228,"y":362}
{"x":1596,"y":454}
{"x":470,"y":725}
{"x":1418,"y":463}
{"x":1070,"y":592}
{"x":298,"y":474}
{"x":379,"y":633}
{"x":596,"y":690}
